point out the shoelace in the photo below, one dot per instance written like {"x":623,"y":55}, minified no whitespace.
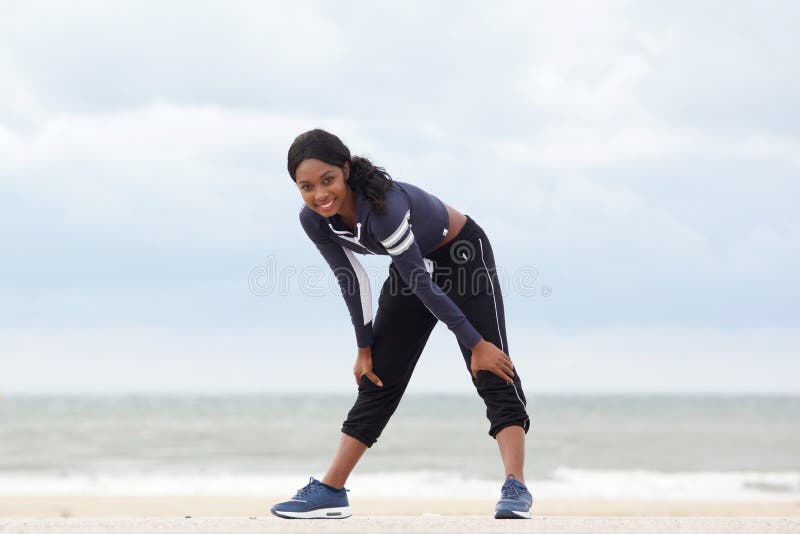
{"x":307,"y":489}
{"x":510,"y":491}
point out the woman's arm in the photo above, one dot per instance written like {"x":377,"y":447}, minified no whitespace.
{"x":407,"y":257}
{"x":394,"y":231}
{"x":350,"y":274}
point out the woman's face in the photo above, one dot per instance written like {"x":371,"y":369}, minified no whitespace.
{"x":323,"y":187}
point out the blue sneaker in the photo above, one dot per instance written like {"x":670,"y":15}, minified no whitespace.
{"x":515,"y":500}
{"x":315,"y":501}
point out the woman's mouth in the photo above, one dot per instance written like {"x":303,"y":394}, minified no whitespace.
{"x":328,"y":205}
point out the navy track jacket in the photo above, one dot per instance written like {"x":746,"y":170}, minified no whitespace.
{"x":414,"y":223}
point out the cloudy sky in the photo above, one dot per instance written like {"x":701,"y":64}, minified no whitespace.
{"x":636,"y":165}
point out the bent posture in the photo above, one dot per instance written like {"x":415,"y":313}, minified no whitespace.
{"x":442,"y":269}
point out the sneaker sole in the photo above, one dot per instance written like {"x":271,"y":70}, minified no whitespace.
{"x":511,"y":514}
{"x":322,"y":513}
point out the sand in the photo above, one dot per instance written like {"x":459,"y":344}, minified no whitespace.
{"x":90,"y":515}
{"x":77,"y":507}
{"x":368,"y":524}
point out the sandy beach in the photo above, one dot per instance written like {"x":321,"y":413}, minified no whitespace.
{"x":547,"y":525}
{"x":89,"y":515}
{"x":81,"y":507}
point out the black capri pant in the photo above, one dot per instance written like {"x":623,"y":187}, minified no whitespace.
{"x":466,"y":272}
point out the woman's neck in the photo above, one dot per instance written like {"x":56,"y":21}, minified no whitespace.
{"x":347,"y":214}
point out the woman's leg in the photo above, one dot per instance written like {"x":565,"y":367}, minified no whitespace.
{"x":348,"y":455}
{"x":401,"y":328}
{"x":482,"y":303}
{"x":511,"y":441}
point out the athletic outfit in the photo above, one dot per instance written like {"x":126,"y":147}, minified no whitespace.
{"x":456,"y":284}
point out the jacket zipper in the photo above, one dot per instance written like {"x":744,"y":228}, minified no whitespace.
{"x":348,"y":236}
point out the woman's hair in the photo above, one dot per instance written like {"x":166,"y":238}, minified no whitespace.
{"x":365,"y":178}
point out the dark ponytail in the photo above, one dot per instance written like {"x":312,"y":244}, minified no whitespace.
{"x":371,"y":181}
{"x":365,"y":178}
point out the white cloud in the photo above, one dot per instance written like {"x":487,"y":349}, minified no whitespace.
{"x":96,"y":55}
{"x":569,"y":147}
{"x":19,"y":105}
{"x":164,"y":173}
{"x":611,"y":97}
{"x":634,"y":145}
{"x":584,"y":62}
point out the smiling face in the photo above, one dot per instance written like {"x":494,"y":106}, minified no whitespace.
{"x":324,"y":187}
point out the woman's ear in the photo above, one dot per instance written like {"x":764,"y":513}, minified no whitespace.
{"x":346,"y":170}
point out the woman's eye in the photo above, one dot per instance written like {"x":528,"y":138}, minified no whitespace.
{"x":306,"y":188}
{"x":327,"y":180}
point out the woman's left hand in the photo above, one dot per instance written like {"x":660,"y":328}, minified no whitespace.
{"x":363,"y":367}
{"x":487,"y":357}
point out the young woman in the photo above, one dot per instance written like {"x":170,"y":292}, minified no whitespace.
{"x":442,"y":270}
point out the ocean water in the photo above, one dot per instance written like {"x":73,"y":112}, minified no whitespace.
{"x":580,"y":446}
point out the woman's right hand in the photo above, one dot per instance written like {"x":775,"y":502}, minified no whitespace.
{"x":487,"y":357}
{"x":363,"y":367}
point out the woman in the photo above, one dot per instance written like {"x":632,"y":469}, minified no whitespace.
{"x":442,"y":270}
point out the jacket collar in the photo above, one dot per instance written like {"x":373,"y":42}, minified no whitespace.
{"x":362,"y":207}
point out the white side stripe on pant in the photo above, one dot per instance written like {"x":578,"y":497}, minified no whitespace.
{"x":494,"y":299}
{"x":497,"y":316}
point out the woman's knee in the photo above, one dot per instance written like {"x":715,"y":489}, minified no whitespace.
{"x":505,"y":402}
{"x":372,"y":410}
